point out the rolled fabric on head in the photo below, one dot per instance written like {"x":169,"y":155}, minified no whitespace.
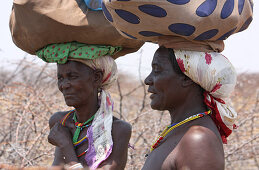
{"x":180,"y":43}
{"x":217,"y":76}
{"x":59,"y":53}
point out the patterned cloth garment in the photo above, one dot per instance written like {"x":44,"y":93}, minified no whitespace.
{"x":199,"y":21}
{"x":216,"y":75}
{"x":99,"y":133}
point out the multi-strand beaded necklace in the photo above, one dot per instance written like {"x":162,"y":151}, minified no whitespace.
{"x":79,"y":128}
{"x":171,"y":127}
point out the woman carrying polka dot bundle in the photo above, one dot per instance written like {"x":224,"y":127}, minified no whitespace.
{"x":190,"y":77}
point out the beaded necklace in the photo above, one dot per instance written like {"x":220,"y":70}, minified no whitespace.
{"x":63,"y":121}
{"x":79,"y":127}
{"x":175,"y":125}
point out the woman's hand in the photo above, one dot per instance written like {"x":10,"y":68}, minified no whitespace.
{"x":60,"y":136}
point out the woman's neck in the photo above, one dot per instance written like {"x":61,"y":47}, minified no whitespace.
{"x":85,"y":112}
{"x":193,"y":104}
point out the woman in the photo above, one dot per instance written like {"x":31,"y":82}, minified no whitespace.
{"x":88,"y":135}
{"x":191,"y":85}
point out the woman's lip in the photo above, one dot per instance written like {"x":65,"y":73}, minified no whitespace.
{"x":151,"y":91}
{"x":68,"y":95}
{"x":152,"y":95}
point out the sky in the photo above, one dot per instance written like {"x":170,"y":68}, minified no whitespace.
{"x":240,"y":48}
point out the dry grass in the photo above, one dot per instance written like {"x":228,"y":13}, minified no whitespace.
{"x":29,"y":95}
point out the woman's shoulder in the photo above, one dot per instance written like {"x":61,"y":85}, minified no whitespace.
{"x":57,"y":117}
{"x":202,"y":141}
{"x":201,"y":134}
{"x":121,"y":127}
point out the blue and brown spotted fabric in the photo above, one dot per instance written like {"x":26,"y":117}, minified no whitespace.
{"x":191,"y":19}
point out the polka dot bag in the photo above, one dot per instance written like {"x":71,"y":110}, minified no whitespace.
{"x":201,"y":20}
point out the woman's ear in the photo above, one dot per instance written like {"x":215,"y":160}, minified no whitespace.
{"x":98,"y":77}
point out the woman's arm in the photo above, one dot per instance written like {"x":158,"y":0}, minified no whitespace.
{"x":58,"y":157}
{"x":121,"y":133}
{"x":60,"y":137}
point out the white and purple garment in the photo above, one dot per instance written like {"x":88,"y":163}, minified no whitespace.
{"x":99,"y":133}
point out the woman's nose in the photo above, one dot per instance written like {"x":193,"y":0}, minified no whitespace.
{"x":65,"y":84}
{"x":148,"y":80}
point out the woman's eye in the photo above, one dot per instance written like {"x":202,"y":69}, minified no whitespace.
{"x":73,"y":77}
{"x":60,"y":78}
{"x":156,"y":69}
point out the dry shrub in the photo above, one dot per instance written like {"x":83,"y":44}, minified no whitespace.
{"x":29,"y":95}
{"x":242,"y":150}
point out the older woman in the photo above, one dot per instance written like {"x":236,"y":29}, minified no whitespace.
{"x":87,"y":135}
{"x":191,"y":86}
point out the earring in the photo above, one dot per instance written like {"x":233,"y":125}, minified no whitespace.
{"x":99,"y":91}
{"x":99,"y":94}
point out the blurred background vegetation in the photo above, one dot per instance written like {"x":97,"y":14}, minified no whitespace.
{"x":29,"y":95}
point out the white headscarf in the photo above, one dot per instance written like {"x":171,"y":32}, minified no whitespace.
{"x":216,"y":75}
{"x":108,"y":67}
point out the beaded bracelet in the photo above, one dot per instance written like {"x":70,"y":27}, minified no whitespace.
{"x":76,"y":166}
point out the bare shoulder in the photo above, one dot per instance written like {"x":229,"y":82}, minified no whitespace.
{"x":121,"y":128}
{"x":200,"y":135}
{"x":200,"y":149}
{"x":56,"y":117}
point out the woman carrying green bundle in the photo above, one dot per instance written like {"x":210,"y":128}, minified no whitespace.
{"x":88,"y":135}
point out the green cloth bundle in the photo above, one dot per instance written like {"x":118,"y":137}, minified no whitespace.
{"x":59,"y":53}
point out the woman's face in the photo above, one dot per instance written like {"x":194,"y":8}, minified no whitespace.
{"x":164,"y":83}
{"x":77,"y":83}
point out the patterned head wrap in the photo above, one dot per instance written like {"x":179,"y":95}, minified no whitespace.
{"x":216,"y":75}
{"x":96,"y":57}
{"x":60,"y":53}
